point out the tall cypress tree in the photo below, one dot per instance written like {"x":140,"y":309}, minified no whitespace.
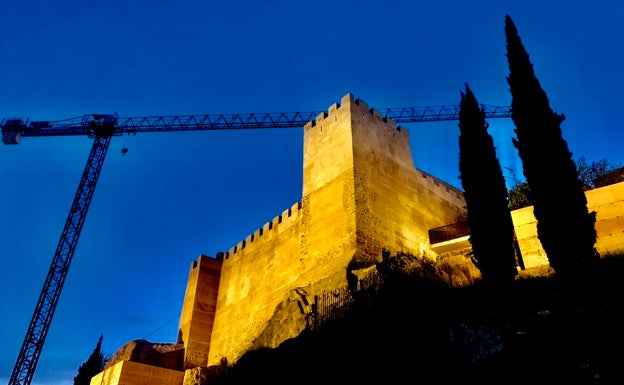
{"x":94,"y":364}
{"x":564,"y":226}
{"x":491,"y":226}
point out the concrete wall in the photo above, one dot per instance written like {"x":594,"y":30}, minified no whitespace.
{"x":608,"y":202}
{"x":134,"y":373}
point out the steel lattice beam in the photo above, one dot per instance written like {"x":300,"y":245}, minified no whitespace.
{"x":14,"y":129}
{"x":25,"y":365}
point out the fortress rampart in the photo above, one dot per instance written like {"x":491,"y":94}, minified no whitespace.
{"x":254,"y":275}
{"x":361,"y":195}
{"x":285,"y":219}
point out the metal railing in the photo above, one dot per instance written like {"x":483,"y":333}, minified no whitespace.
{"x":337,"y":304}
{"x":448,"y":232}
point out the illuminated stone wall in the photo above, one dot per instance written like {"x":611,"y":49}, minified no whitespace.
{"x":396,"y":203}
{"x":361,"y":194}
{"x":608,"y":202}
{"x":255,"y":276}
{"x":198,"y":310}
{"x":135,"y":373}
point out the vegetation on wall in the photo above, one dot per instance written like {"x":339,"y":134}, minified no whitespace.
{"x":520,"y":196}
{"x":489,"y":218}
{"x":590,"y":173}
{"x":564,"y":226}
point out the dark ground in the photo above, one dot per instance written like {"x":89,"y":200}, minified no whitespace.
{"x":409,"y":333}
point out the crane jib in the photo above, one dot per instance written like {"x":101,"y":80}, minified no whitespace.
{"x":94,"y":125}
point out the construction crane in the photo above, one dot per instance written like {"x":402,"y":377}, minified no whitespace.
{"x":101,"y":128}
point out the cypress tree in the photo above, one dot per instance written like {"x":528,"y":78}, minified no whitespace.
{"x":489,"y":218}
{"x":94,"y":364}
{"x":565,"y":228}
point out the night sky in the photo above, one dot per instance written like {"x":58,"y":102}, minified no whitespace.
{"x":174,"y":196}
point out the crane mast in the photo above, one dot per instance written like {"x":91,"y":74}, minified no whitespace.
{"x":27,"y":359}
{"x":101,"y":127}
{"x":42,"y":317}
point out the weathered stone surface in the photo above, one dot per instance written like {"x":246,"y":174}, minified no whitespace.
{"x":198,"y":310}
{"x":361,"y":195}
{"x":195,"y":376}
{"x":460,"y":268}
{"x":288,"y":320}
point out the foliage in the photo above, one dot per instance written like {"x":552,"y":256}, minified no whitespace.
{"x":520,"y":196}
{"x":564,"y":226}
{"x":94,"y":365}
{"x":403,"y":268}
{"x":589,"y":172}
{"x":491,"y":226}
{"x":360,"y":261}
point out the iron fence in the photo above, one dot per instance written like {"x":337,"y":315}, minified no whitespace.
{"x":337,"y":304}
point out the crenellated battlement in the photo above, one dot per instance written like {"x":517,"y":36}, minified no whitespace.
{"x":285,"y":219}
{"x":362,"y":194}
{"x":358,"y":105}
{"x":452,"y":192}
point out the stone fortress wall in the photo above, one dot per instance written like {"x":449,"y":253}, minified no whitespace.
{"x":361,"y":194}
{"x":252,"y":279}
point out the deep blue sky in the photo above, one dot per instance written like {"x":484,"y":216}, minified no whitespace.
{"x":174,"y":196}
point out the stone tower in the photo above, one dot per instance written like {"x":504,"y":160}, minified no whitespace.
{"x":198,"y":310}
{"x":361,"y":195}
{"x":360,"y":183}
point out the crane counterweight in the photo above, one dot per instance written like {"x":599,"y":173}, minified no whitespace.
{"x":12,"y":130}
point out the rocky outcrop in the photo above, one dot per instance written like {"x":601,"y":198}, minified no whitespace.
{"x":168,"y":356}
{"x":288,"y":320}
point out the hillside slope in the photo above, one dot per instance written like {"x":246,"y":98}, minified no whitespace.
{"x":412,"y":331}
